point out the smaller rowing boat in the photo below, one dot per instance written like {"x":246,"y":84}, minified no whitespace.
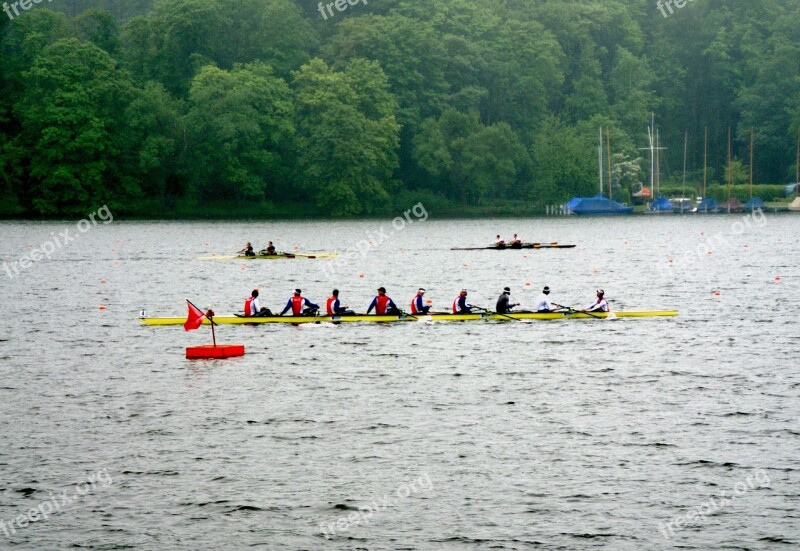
{"x":572,"y":314}
{"x":517,"y":246}
{"x":278,"y":256}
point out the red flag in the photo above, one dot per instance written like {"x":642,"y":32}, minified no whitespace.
{"x":195,"y":318}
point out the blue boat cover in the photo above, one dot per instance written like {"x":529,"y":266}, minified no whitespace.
{"x":707,"y":204}
{"x":595,"y":205}
{"x":755,"y":204}
{"x":661,"y":204}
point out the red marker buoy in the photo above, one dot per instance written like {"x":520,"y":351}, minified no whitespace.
{"x":211,"y":351}
{"x":208,"y":351}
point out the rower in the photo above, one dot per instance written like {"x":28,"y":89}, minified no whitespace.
{"x":504,"y":305}
{"x":334,"y":307}
{"x":601,"y":305}
{"x":269,"y":250}
{"x":460,"y":305}
{"x":543,"y":305}
{"x":499,"y":243}
{"x":253,"y":308}
{"x":383,"y":305}
{"x":515,"y":242}
{"x":300,"y":305}
{"x":416,"y":303}
{"x":248,"y":250}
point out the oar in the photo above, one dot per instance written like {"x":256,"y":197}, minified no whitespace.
{"x":571,"y":309}
{"x":497,"y":313}
{"x":406,"y":314}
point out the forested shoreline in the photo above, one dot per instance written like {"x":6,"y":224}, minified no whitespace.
{"x":267,"y":107}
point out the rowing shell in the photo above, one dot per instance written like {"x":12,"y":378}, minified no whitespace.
{"x":516,"y":247}
{"x":281,"y":256}
{"x":236,"y":320}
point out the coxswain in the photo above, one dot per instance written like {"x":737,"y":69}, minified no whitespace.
{"x":269,"y":250}
{"x":504,"y":305}
{"x":299,"y":305}
{"x":543,"y":304}
{"x":335,"y":308}
{"x":253,"y":308}
{"x":383,"y":305}
{"x":417,"y":307}
{"x":499,"y":243}
{"x":601,"y":305}
{"x":248,"y":250}
{"x":460,"y":305}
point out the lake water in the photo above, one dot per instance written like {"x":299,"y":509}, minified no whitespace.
{"x":659,"y":433}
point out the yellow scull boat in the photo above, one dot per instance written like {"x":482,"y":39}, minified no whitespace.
{"x":240,"y":320}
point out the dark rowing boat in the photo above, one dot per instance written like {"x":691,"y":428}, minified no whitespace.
{"x":519,"y":246}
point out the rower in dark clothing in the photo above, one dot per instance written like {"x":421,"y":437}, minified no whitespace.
{"x":383,"y":305}
{"x":504,"y":305}
{"x":300,"y":306}
{"x":248,"y":250}
{"x":334,"y":308}
{"x":269,"y":250}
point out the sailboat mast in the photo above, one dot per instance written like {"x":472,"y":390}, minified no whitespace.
{"x":751,"y":162}
{"x":729,"y":165}
{"x":685,"y":149}
{"x":658,"y":165}
{"x":705,"y":160}
{"x":650,"y":132}
{"x":797,"y":168}
{"x":608,"y":150}
{"x":600,"y":159}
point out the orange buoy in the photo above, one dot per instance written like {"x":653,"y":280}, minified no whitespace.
{"x":527,"y":284}
{"x":102,"y":280}
{"x":669,"y":260}
{"x":777,"y":278}
{"x":209,"y":351}
{"x":101,"y":307}
{"x":361,"y":276}
{"x":717,"y":293}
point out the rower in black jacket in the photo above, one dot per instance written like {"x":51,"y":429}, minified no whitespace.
{"x":504,"y":305}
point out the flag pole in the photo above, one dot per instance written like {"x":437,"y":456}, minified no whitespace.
{"x":210,"y":316}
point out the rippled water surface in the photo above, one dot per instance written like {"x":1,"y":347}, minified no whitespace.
{"x":583,"y":434}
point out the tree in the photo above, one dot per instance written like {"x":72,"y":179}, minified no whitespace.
{"x":241,"y":126}
{"x":71,"y":116}
{"x":349,"y":135}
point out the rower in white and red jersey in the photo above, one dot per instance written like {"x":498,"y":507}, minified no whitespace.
{"x":383,"y":305}
{"x":460,"y":305}
{"x":417,"y":306}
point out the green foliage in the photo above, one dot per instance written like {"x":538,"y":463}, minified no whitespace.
{"x":240,"y":126}
{"x":464,"y":102}
{"x":348,"y":135}
{"x":71,"y":116}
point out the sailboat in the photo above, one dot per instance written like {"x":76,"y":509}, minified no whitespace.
{"x":597,"y":205}
{"x":754,"y":203}
{"x":794,"y":206}
{"x":732,"y":204}
{"x":708,"y":204}
{"x":661,"y":204}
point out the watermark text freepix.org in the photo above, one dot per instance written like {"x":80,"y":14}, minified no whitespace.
{"x":24,"y":4}
{"x":340,"y":6}
{"x":46,"y":249}
{"x":55,"y":503}
{"x":362,"y":247}
{"x":662,"y":4}
{"x":697,"y":514}
{"x":364,"y":514}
